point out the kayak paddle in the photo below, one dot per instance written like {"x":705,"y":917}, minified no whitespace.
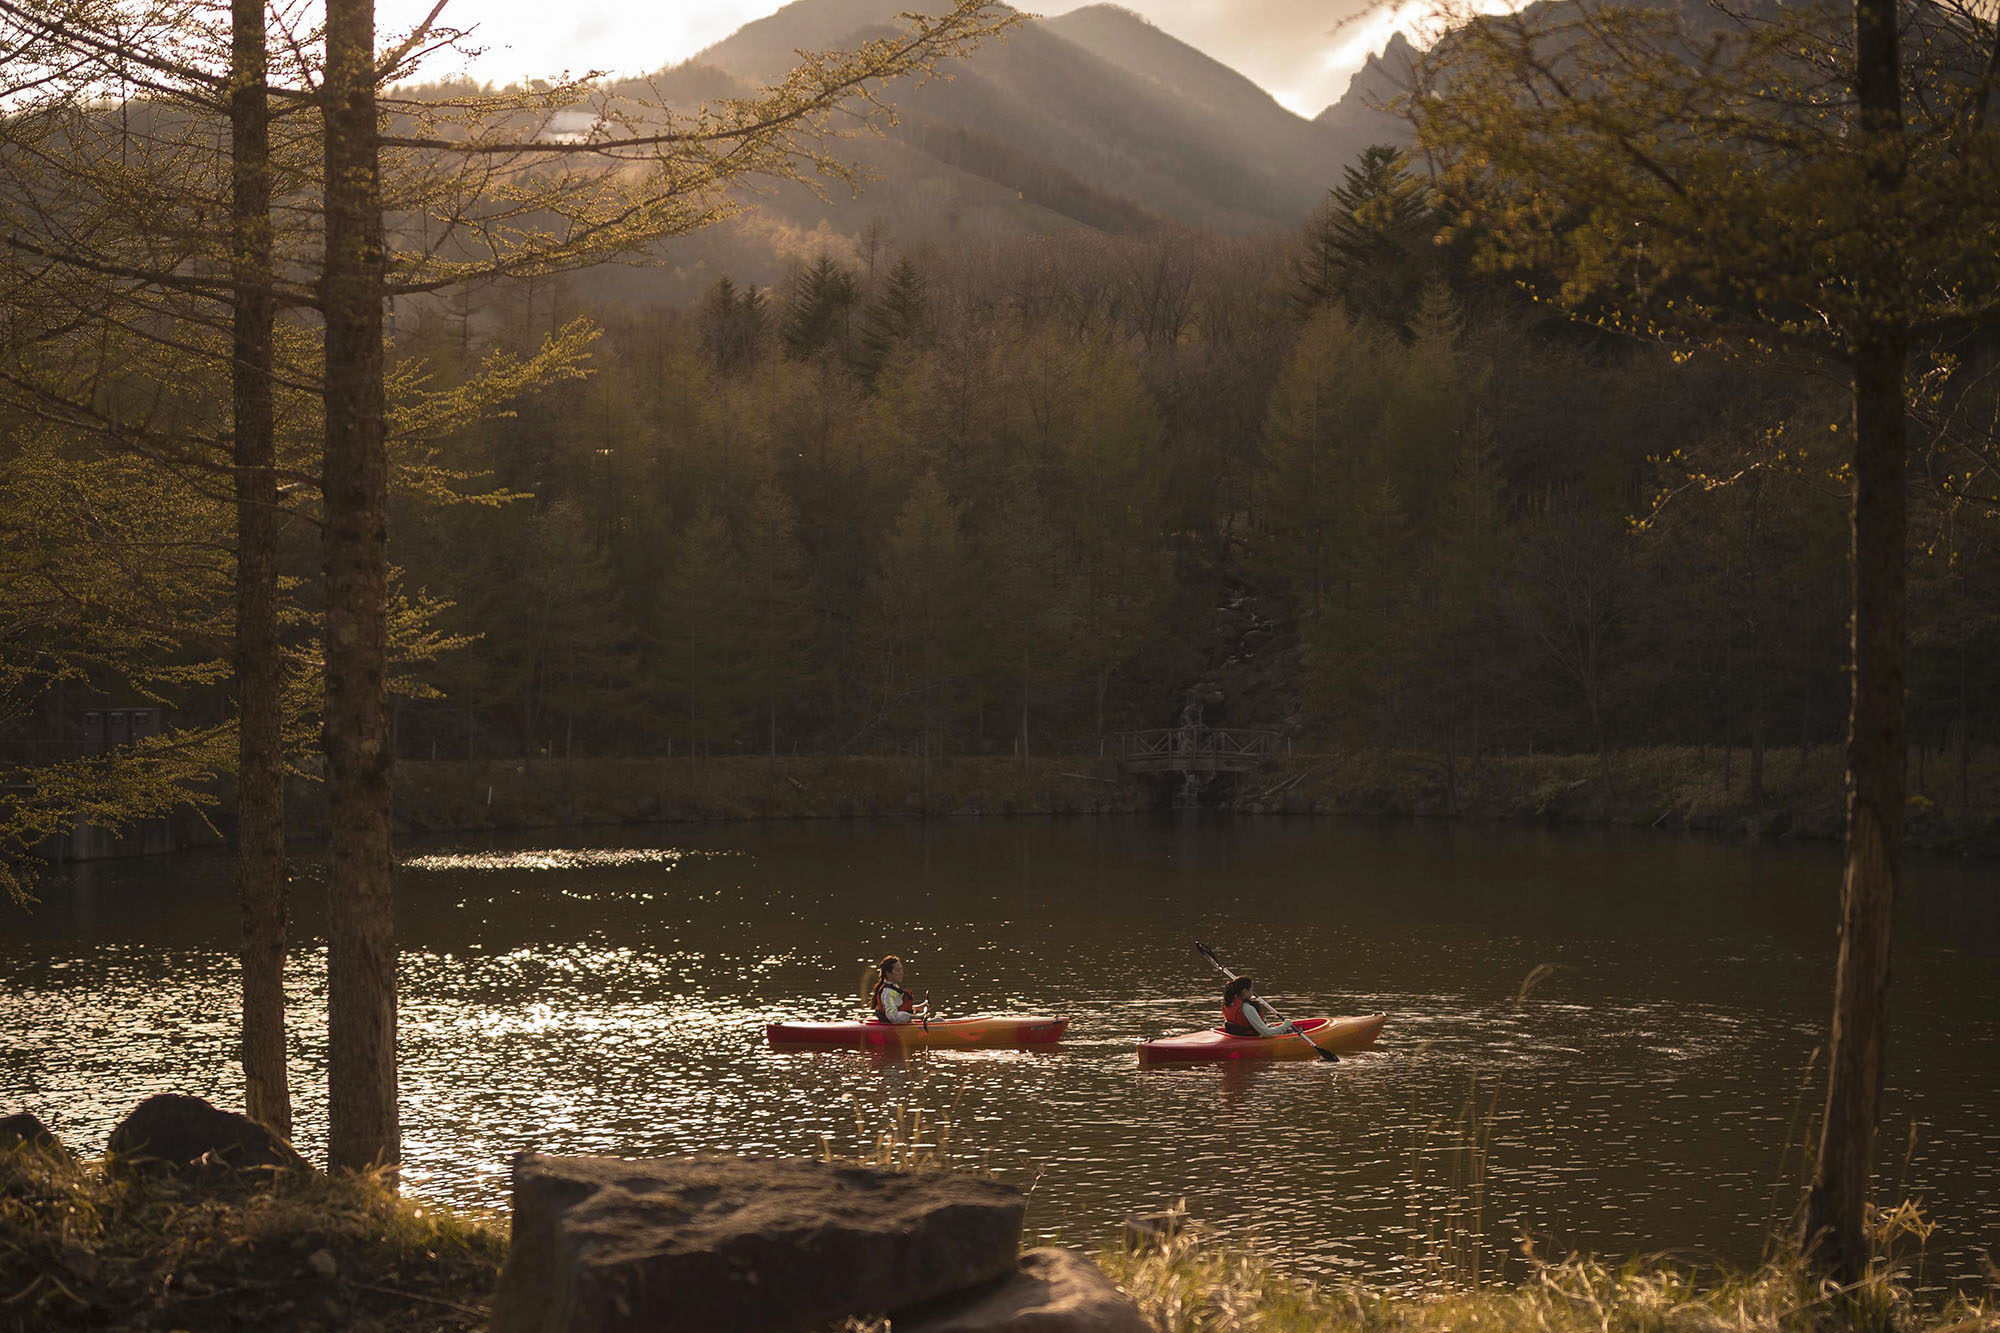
{"x":1319,"y":1050}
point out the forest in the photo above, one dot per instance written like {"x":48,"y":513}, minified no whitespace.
{"x":1001,"y":499}
{"x":1011,"y":496}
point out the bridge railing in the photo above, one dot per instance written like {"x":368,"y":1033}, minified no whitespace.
{"x":1180,"y":747}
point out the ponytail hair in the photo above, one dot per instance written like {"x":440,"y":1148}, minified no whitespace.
{"x":871,"y":979}
{"x":1235,"y":988}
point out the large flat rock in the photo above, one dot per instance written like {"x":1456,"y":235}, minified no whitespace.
{"x":607,"y":1246}
{"x":1052,"y":1291}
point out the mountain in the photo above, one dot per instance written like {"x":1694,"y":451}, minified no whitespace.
{"x":1264,"y":130}
{"x":1095,"y":121}
{"x":1076,"y":112}
{"x":765,"y":50}
{"x":1359,"y":116}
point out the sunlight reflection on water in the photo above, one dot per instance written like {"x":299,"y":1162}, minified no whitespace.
{"x":614,"y":999}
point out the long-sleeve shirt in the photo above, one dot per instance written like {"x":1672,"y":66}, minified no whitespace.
{"x":1253,"y":1014}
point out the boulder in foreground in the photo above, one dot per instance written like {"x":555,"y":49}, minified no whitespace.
{"x":1052,"y":1291}
{"x":607,"y":1246}
{"x":26,"y":1131}
{"x":187,"y":1137}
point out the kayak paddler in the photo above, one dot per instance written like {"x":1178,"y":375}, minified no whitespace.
{"x":888,"y":997}
{"x":1244,"y":1015}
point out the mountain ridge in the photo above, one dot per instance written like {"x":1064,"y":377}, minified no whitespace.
{"x":1093,"y":121}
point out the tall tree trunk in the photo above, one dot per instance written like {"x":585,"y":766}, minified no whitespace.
{"x":1756,"y":734}
{"x":1025,"y":761}
{"x":1805,"y":734}
{"x":362,"y":1125}
{"x":1964,"y":733}
{"x":1603,"y":732}
{"x":260,"y":766}
{"x":1833,"y":1235}
{"x":1450,"y":772}
{"x":1756,"y":651}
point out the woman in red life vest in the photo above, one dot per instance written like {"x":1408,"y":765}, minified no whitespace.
{"x":887,"y":996}
{"x":1244,"y":1015}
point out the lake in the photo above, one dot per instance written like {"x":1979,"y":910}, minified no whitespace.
{"x":608,"y":994}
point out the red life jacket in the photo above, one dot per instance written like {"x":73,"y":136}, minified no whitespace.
{"x":905,"y":1007}
{"x":1233,"y":1013}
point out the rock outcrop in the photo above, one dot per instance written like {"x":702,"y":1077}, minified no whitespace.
{"x":607,"y":1246}
{"x":200,"y":1143}
{"x":1050,"y":1291}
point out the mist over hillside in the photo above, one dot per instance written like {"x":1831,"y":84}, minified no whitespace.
{"x":1095,"y":121}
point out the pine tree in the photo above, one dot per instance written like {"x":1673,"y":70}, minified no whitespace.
{"x":819,"y":310}
{"x":1371,"y":245}
{"x":899,"y":314}
{"x":732,"y":323}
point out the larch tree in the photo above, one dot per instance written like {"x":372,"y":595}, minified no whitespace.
{"x":640,"y":174}
{"x":1818,"y":177}
{"x":138,"y":175}
{"x":480,"y":181}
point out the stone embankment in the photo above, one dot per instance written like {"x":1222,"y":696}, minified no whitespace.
{"x":201,"y":1218}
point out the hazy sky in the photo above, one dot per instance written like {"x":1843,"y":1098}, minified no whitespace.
{"x":1303,"y":51}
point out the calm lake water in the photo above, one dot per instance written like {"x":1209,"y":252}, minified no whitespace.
{"x":610,"y":996}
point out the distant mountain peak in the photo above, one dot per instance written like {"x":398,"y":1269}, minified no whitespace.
{"x":1120,"y":11}
{"x":1137,"y":45}
{"x":1382,"y":78}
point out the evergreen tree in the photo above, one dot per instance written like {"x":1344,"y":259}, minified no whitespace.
{"x":1371,"y":246}
{"x":819,"y":310}
{"x":899,"y":314}
{"x":732,"y":323}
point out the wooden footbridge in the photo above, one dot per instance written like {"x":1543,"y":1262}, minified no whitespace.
{"x":1195,"y":749}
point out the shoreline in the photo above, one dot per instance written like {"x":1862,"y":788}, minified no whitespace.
{"x":309,"y":1250}
{"x":1677,"y":789}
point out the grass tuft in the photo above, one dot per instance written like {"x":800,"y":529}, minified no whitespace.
{"x":83,"y":1249}
{"x":1191,"y":1285}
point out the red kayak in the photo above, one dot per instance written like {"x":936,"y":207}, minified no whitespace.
{"x":978,"y":1032}
{"x":1339,"y":1035}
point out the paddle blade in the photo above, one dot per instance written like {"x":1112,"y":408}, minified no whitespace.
{"x":1209,"y":954}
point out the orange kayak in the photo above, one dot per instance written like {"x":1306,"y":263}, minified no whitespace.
{"x":1339,"y":1035}
{"x":979,"y":1031}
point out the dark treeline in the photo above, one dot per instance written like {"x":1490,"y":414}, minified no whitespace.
{"x":1006,"y":498}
